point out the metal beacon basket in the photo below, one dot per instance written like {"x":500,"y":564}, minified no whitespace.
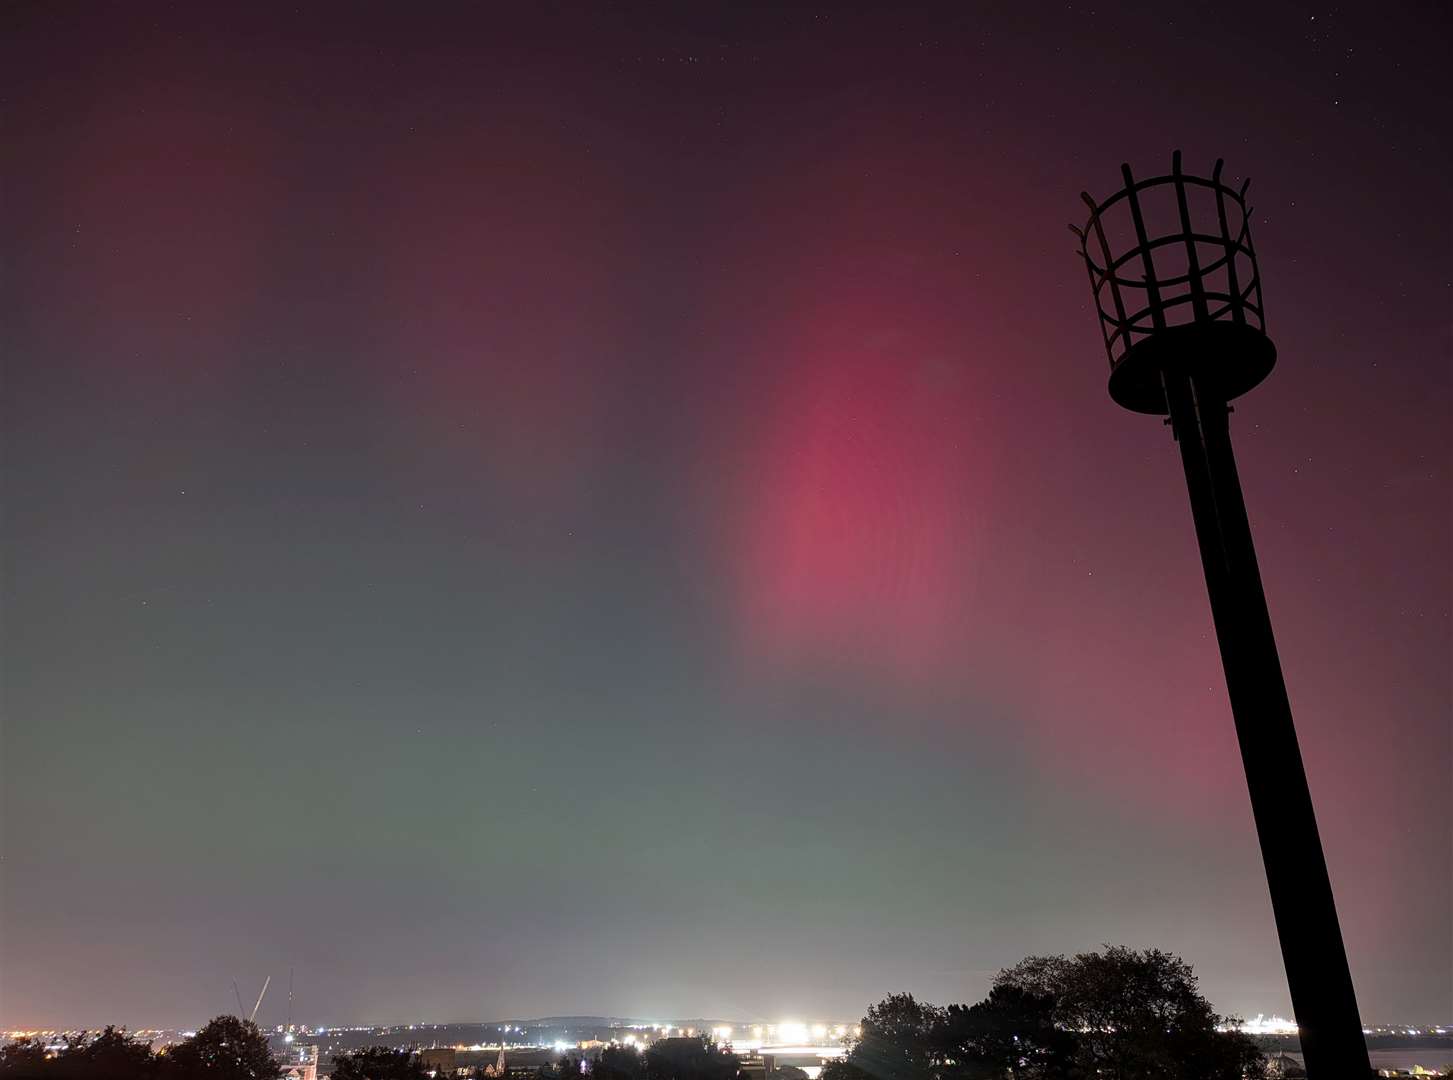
{"x":1175,"y":283}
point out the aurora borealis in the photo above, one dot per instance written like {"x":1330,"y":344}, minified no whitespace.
{"x":615,"y":509}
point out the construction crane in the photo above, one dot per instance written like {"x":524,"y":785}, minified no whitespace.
{"x":252,"y":1018}
{"x":258,"y":1004}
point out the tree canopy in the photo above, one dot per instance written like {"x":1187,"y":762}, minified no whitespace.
{"x":689,"y":1058}
{"x":1135,"y":1014}
{"x":619,"y":1063}
{"x":379,"y":1063}
{"x":1116,"y":1013}
{"x":226,"y":1049}
{"x":108,"y":1054}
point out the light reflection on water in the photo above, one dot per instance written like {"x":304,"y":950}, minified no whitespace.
{"x":1440,"y":1058}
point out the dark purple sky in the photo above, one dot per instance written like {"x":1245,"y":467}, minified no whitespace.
{"x":608,"y":509}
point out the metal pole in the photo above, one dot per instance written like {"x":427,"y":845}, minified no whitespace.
{"x":1281,"y":803}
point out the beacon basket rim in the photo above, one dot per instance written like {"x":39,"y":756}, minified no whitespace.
{"x":1130,"y":308}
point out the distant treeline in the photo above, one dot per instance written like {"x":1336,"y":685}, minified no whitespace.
{"x":226,"y":1049}
{"x":1118,"y":1013}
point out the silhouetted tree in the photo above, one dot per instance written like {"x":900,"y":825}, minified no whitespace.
{"x":1135,"y":1015}
{"x":842,"y":1069}
{"x":1117,"y":1014}
{"x":227,"y":1048}
{"x":109,"y":1055}
{"x":689,"y":1058}
{"x":619,"y":1063}
{"x":22,"y":1059}
{"x":379,"y":1063}
{"x":1010,"y":1033}
{"x":114,"y":1053}
{"x":898,"y":1042}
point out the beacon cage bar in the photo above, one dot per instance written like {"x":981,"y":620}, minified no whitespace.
{"x":1168,"y":253}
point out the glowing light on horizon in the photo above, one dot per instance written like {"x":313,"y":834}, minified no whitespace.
{"x":1265,"y":1025}
{"x":790,"y":1031}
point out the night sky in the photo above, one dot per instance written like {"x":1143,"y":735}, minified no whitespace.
{"x":537,"y":509}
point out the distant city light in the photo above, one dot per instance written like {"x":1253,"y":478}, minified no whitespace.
{"x":1267,"y":1025}
{"x":790,"y":1031}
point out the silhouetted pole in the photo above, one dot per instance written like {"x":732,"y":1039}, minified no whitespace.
{"x":1180,"y":309}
